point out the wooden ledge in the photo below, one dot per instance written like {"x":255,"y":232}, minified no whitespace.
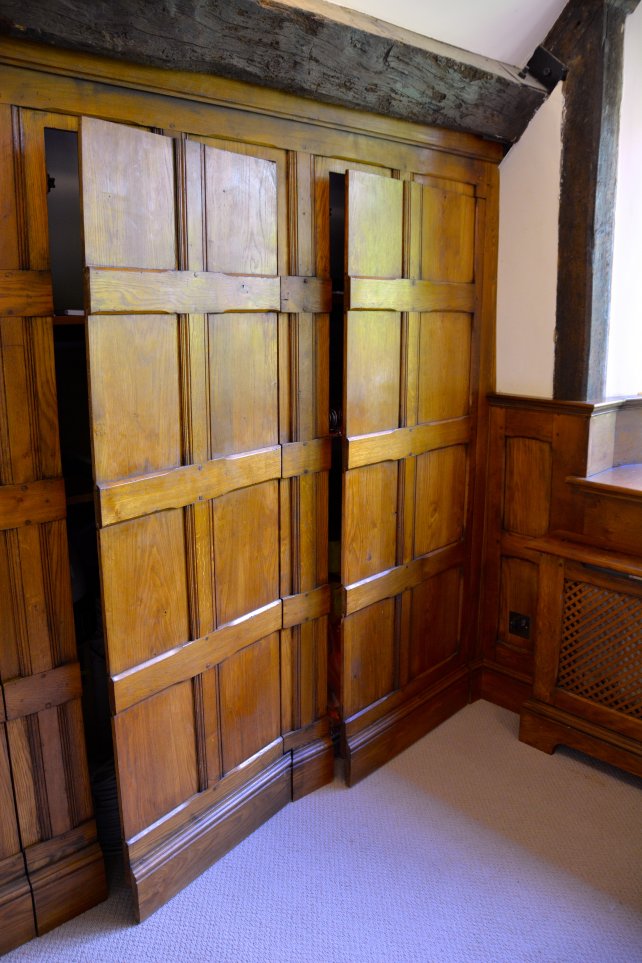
{"x":622,"y":481}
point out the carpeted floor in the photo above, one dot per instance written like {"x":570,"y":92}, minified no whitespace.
{"x":469,"y":847}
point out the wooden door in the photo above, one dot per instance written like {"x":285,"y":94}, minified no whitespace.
{"x":50,"y":863}
{"x":186,"y":373}
{"x":409,"y":399}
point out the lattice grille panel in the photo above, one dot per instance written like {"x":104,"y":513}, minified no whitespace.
{"x":601,"y":653}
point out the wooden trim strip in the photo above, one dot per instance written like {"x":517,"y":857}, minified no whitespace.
{"x":26,"y":696}
{"x":306,"y":295}
{"x":394,"y":581}
{"x":192,"y":658}
{"x":306,"y":606}
{"x":177,"y":487}
{"x":306,"y":457}
{"x":32,"y":503}
{"x":408,"y":294}
{"x":25,"y":294}
{"x":401,"y":443}
{"x":113,"y":291}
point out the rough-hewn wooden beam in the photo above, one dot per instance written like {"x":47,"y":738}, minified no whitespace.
{"x":589,"y":38}
{"x":322,"y":51}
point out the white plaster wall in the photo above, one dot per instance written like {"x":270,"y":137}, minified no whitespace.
{"x":624,"y":369}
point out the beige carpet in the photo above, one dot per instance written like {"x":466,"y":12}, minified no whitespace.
{"x":468,"y":847}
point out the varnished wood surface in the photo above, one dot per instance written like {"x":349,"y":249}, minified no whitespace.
{"x":25,"y":293}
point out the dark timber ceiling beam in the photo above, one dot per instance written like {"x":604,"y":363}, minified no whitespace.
{"x":589,"y":38}
{"x":322,"y":51}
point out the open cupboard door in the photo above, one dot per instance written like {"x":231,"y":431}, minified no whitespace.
{"x":183,"y":326}
{"x":410,"y":346}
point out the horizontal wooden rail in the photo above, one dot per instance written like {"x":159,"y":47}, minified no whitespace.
{"x":408,"y":294}
{"x":306,"y":457}
{"x":185,"y":485}
{"x":398,"y":443}
{"x":25,"y":294}
{"x":306,"y":606}
{"x":34,"y":693}
{"x":32,"y":503}
{"x":306,"y":295}
{"x":192,"y":658}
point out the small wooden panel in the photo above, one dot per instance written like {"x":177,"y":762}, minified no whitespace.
{"x":23,"y":697}
{"x":179,"y":292}
{"x":306,"y":457}
{"x":445,"y":344}
{"x":25,"y":294}
{"x":133,"y":381}
{"x":301,"y":295}
{"x":370,"y":521}
{"x":405,"y":442}
{"x":250,"y":701}
{"x":32,"y":503}
{"x":156,"y":756}
{"x":189,"y":660}
{"x":374,"y":226}
{"x":408,"y":294}
{"x":448,"y":235}
{"x":144,"y":588}
{"x":128,"y":196}
{"x":368,"y":655}
{"x":527,"y":486}
{"x":518,"y":594}
{"x":373,"y":353}
{"x":186,"y":485}
{"x":246,"y":550}
{"x":440,"y":502}
{"x":436,"y":622}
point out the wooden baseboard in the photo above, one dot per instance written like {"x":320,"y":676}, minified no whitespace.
{"x":312,"y":767}
{"x":177,"y":860}
{"x":17,"y":923}
{"x":499,"y":686}
{"x":389,"y":735}
{"x":67,"y":876}
{"x":546,"y":727}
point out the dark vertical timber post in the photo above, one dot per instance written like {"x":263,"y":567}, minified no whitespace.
{"x":589,"y":38}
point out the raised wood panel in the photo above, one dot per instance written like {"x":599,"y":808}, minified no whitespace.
{"x":374,"y":226}
{"x":448,"y":234}
{"x":138,"y":386}
{"x":444,"y":366}
{"x":528,"y":486}
{"x":156,"y":756}
{"x":518,"y":593}
{"x":144,"y":586}
{"x":368,"y":655}
{"x":120,"y":230}
{"x":440,"y":500}
{"x":436,"y":622}
{"x":373,"y":341}
{"x":369,"y":520}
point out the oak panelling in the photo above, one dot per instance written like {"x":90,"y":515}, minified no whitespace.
{"x":25,"y":696}
{"x":399,"y":443}
{"x":246,"y":566}
{"x":373,"y":204}
{"x":303,"y":295}
{"x":445,"y":362}
{"x":436,"y":622}
{"x":440,"y":502}
{"x":250,"y":701}
{"x":370,"y":521}
{"x":528,"y":481}
{"x":373,"y":342}
{"x":119,"y":230}
{"x":304,"y":457}
{"x":170,"y":292}
{"x":408,"y":294}
{"x":369,"y":656}
{"x":9,"y":236}
{"x":144,"y":588}
{"x":153,"y":739}
{"x":448,"y":234}
{"x":25,"y":293}
{"x":32,"y":503}
{"x":518,"y":593}
{"x":138,"y":386}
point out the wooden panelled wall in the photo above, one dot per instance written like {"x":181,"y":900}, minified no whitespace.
{"x":206,"y":232}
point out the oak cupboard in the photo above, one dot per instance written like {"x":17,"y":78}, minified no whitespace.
{"x":273,"y":580}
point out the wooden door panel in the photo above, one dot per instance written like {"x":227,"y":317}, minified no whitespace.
{"x":436,"y":622}
{"x":374,"y":214}
{"x":250,"y":701}
{"x":135,"y":398}
{"x":370,"y":521}
{"x":246,"y":550}
{"x":373,"y":352}
{"x":440,"y":505}
{"x":369,"y":655}
{"x":144,"y":586}
{"x":155,"y":741}
{"x":448,"y":226}
{"x":444,"y":383}
{"x":244,"y":389}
